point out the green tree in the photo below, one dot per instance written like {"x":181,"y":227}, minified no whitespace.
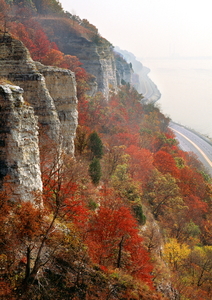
{"x":139,"y":214}
{"x":163,"y":194}
{"x":95,"y":170}
{"x":95,"y":145}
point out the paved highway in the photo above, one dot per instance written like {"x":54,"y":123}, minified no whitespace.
{"x":191,"y":141}
{"x":147,"y":87}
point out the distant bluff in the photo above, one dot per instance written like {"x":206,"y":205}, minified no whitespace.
{"x":94,"y":52}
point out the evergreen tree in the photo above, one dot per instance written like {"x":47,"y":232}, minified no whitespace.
{"x":95,"y":145}
{"x":95,"y":170}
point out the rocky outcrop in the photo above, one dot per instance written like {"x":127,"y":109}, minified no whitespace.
{"x":97,"y":60}
{"x":96,"y":54}
{"x":17,"y":65}
{"x":19,"y":151}
{"x":49,"y":100}
{"x":123,"y":69}
{"x":53,"y":98}
{"x":62,"y":87}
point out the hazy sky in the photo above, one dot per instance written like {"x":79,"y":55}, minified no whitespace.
{"x":151,"y":28}
{"x":157,"y":29}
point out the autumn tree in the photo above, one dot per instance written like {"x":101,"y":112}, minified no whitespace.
{"x":201,"y":264}
{"x":176,"y":254}
{"x":153,"y":127}
{"x":165,"y":163}
{"x":113,"y":157}
{"x":141,"y":163}
{"x":163,"y":194}
{"x":114,"y":242}
{"x":81,"y":140}
{"x":53,"y":57}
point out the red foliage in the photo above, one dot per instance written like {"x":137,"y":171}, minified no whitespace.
{"x":113,"y":234}
{"x":125,"y":138}
{"x":20,"y":31}
{"x":165,"y":163}
{"x":42,"y":44}
{"x":141,"y":163}
{"x":192,"y":182}
{"x":27,"y":220}
{"x":53,"y":57}
{"x":34,"y":38}
{"x":76,"y":210}
{"x":83,"y":111}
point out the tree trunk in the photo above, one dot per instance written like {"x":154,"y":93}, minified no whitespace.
{"x":28,"y":263}
{"x":119,"y":253}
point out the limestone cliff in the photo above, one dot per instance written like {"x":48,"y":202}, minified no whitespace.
{"x":124,"y":70}
{"x":19,"y":151}
{"x":94,"y":52}
{"x":62,"y":87}
{"x":49,"y":100}
{"x":17,"y":65}
{"x":53,"y":98}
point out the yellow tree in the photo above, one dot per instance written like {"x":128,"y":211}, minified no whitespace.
{"x":176,"y":254}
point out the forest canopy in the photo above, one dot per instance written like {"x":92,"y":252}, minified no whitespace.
{"x":129,"y":212}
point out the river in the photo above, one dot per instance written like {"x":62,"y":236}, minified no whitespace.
{"x":186,"y":90}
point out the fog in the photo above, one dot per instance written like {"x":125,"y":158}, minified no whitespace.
{"x":173,"y":39}
{"x":186,"y":90}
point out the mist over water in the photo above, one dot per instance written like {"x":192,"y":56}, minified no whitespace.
{"x":186,"y":88}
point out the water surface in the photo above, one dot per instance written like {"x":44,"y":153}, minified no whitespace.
{"x":186,"y":88}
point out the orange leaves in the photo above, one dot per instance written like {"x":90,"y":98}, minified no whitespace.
{"x":5,"y":289}
{"x":118,"y":243}
{"x":27,"y":220}
{"x":197,"y":207}
{"x":126,"y":138}
{"x":165,"y":163}
{"x":76,"y":212}
{"x":192,"y":182}
{"x":34,"y":38}
{"x":71,"y":62}
{"x":53,"y":57}
{"x":141,"y":163}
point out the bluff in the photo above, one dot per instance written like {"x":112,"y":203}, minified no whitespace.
{"x":50,"y":91}
{"x":141,"y":80}
{"x":19,"y":151}
{"x":50,"y":94}
{"x":94,"y":52}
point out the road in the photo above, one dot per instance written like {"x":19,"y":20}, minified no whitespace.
{"x":191,"y":141}
{"x":147,"y":87}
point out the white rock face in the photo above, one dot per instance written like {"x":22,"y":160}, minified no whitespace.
{"x":19,"y":152}
{"x":17,"y":65}
{"x":61,"y":85}
{"x":96,"y":55}
{"x":50,"y":91}
{"x":50,"y":101}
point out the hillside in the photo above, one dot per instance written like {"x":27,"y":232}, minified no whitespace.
{"x":118,"y":211}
